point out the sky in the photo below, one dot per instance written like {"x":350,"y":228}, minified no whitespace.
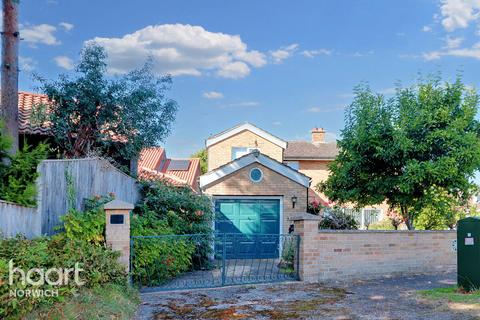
{"x":285,"y":66}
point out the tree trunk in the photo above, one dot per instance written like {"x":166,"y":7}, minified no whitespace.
{"x":406,"y":216}
{"x":9,"y":86}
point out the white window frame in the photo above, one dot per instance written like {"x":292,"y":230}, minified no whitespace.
{"x":246,"y":150}
{"x":261,"y":175}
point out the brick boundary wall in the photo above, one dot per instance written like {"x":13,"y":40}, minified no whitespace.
{"x":343,"y":255}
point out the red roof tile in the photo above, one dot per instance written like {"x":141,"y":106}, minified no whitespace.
{"x":26,"y":100}
{"x":153,"y":164}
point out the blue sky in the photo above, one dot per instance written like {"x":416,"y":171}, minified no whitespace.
{"x":286,"y":66}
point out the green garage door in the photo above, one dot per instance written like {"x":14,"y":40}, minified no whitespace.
{"x":251,"y":227}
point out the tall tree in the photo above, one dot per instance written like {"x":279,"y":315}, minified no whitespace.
{"x":94,"y":113}
{"x":9,"y":86}
{"x":203,"y":156}
{"x":426,"y":137}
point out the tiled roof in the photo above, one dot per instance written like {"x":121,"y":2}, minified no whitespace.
{"x":245,"y":160}
{"x":298,"y":150}
{"x":26,"y":100}
{"x":153,"y":164}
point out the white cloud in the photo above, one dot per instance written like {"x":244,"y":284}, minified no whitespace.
{"x":277,"y":123}
{"x":39,"y":34}
{"x":433,"y":55}
{"x":313,"y":53}
{"x":27,"y":64}
{"x":212,"y":95}
{"x":234,"y":70}
{"x":427,"y":29}
{"x":472,"y":52}
{"x":458,"y":14}
{"x":241,"y":104}
{"x":451,"y":42}
{"x":180,"y":49}
{"x":64,"y":62}
{"x":283,"y":53}
{"x":363,"y":54}
{"x":66,"y":26}
{"x":323,"y":110}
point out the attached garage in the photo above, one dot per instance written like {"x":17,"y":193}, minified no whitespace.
{"x":252,"y":226}
{"x":254,"y":197}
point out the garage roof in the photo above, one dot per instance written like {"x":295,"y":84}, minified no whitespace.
{"x":248,"y":159}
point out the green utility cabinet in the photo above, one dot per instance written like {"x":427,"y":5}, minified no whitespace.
{"x":468,"y":253}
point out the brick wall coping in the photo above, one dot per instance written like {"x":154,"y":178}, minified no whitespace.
{"x":385,"y":231}
{"x":305,"y":216}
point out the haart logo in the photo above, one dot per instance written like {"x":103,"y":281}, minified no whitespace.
{"x":37,"y":277}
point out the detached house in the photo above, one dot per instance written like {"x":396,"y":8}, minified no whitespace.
{"x":258,"y":181}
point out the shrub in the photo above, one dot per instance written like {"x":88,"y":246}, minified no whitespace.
{"x":384,"y":224}
{"x":99,"y":264}
{"x":314,"y":207}
{"x":164,"y":257}
{"x":183,"y":210}
{"x":89,"y":225}
{"x":18,"y":182}
{"x":336,"y":219}
{"x":81,"y":242}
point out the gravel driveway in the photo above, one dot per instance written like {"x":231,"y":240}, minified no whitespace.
{"x":392,"y":298}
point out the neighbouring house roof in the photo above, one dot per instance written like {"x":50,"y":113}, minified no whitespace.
{"x":27,"y":124}
{"x":304,"y":150}
{"x":242,"y":162}
{"x":26,"y":100}
{"x":243,"y":127}
{"x":154,"y":164}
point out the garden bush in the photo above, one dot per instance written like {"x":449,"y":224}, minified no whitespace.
{"x":81,"y":242}
{"x":337,"y":219}
{"x":165,"y":257}
{"x":171,"y":210}
{"x":18,"y":177}
{"x":384,"y":224}
{"x":98,"y":262}
{"x":184,"y":211}
{"x":315,"y":207}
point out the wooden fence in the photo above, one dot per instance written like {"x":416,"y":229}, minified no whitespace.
{"x":15,"y":219}
{"x":67,"y":183}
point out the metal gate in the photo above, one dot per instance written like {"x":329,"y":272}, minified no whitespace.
{"x":171,"y":262}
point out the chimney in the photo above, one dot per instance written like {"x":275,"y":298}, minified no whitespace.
{"x":318,"y":135}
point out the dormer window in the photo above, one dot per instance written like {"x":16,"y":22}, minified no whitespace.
{"x":238,"y":152}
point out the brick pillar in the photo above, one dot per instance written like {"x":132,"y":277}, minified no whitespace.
{"x":306,"y":226}
{"x":117,"y":232}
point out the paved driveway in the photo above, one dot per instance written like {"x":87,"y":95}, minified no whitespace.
{"x":383,"y":299}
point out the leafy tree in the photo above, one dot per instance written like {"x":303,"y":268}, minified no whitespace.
{"x":203,"y":156}
{"x":397,"y":149}
{"x":95,"y":113}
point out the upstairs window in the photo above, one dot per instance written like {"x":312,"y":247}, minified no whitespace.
{"x":238,"y":152}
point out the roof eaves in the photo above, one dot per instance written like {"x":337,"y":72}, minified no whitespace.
{"x":242,"y":127}
{"x":240,"y":163}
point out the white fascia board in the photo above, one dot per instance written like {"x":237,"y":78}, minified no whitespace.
{"x":244,"y":161}
{"x":247,"y":126}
